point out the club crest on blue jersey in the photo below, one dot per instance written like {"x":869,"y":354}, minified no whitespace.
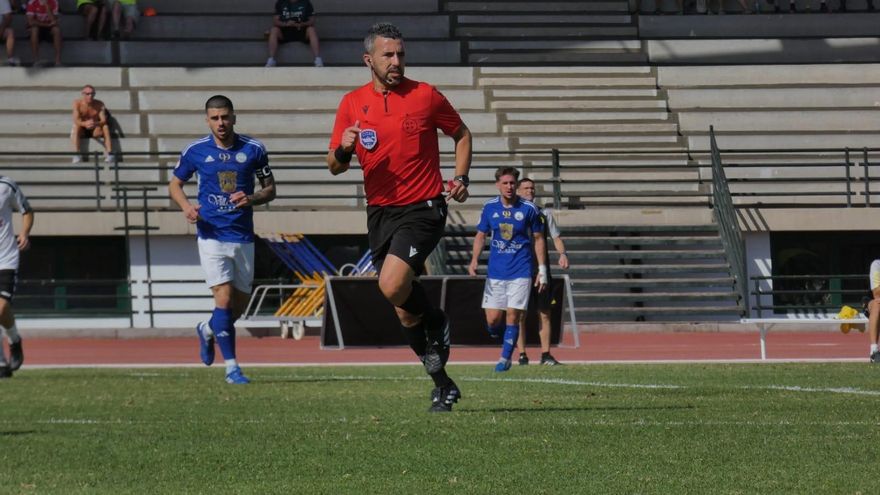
{"x":240,"y":157}
{"x":518,"y":216}
{"x":368,"y":138}
{"x":506,"y":230}
{"x":227,"y":180}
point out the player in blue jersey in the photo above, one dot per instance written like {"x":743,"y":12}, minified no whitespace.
{"x":226,"y":164}
{"x":517,"y":232}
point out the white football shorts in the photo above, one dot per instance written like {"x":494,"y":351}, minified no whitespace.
{"x":227,"y":262}
{"x":875,"y":275}
{"x":503,"y":294}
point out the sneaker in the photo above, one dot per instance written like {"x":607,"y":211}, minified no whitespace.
{"x":108,"y":157}
{"x":549,"y":360}
{"x":13,"y":62}
{"x":319,"y":62}
{"x":206,"y":345}
{"x":16,"y":356}
{"x":76,"y":159}
{"x":442,"y":398}
{"x":503,"y":365}
{"x":236,"y":377}
{"x":5,"y":372}
{"x":523,"y":359}
{"x":875,"y":357}
{"x":271,"y":62}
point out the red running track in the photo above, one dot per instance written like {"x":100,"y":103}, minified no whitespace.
{"x":595,"y":347}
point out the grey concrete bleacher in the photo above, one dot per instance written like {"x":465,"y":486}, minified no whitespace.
{"x":254,"y":53}
{"x":775,"y":107}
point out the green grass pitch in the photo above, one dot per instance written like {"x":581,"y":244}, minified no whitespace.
{"x":639,"y":428}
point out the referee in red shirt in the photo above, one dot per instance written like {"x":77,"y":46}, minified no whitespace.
{"x":391,"y":125}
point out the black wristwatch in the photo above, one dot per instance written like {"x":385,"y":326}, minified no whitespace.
{"x":465,"y":181}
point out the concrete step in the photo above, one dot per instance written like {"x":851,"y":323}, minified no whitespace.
{"x":775,"y":120}
{"x":253,"y":53}
{"x":32,"y":100}
{"x":543,"y":32}
{"x":573,"y":114}
{"x":618,"y":284}
{"x":609,"y":142}
{"x":535,"y":80}
{"x":13,"y":123}
{"x":556,"y":57}
{"x":281,"y":78}
{"x":631,"y":130}
{"x":540,"y":72}
{"x":518,"y":20}
{"x":200,"y":7}
{"x":787,"y":98}
{"x":619,"y":298}
{"x":576,"y":244}
{"x":578,"y":105}
{"x":620,"y":313}
{"x":276,"y":99}
{"x":768,"y":76}
{"x":654,"y":255}
{"x":573,"y":94}
{"x":696,"y":268}
{"x":507,"y":45}
{"x":536,"y":8}
{"x":782,"y":140}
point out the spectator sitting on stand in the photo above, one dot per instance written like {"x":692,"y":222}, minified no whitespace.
{"x":7,"y":34}
{"x":294,"y":21}
{"x":42,"y":19}
{"x":90,"y":120}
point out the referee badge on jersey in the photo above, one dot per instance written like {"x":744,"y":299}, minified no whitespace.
{"x":227,"y":180}
{"x":368,"y":138}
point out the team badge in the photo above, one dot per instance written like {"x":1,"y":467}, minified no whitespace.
{"x":227,"y":180}
{"x":506,"y":230}
{"x":410,"y":126}
{"x":368,"y":138}
{"x":224,"y":157}
{"x":240,"y":157}
{"x":518,"y":216}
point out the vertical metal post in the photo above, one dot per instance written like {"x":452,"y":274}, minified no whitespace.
{"x":98,"y":180}
{"x":128,"y":259}
{"x":116,"y":177}
{"x":147,"y":252}
{"x":867,"y":166}
{"x":758,"y":302}
{"x":557,"y":181}
{"x":848,"y":179}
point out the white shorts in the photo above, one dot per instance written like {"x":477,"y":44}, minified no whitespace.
{"x":227,"y":262}
{"x":5,"y":8}
{"x":875,"y":275}
{"x":503,"y":294}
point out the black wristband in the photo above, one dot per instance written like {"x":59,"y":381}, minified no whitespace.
{"x":341,"y":155}
{"x":465,"y":181}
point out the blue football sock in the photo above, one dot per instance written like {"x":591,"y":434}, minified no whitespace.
{"x":511,"y":333}
{"x":495,"y":330}
{"x":224,"y":332}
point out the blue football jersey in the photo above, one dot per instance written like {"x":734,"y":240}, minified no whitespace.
{"x":221,"y":172}
{"x":510,"y":249}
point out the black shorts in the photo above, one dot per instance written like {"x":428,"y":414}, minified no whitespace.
{"x":44,"y":33}
{"x":8,"y":279}
{"x":542,"y":300}
{"x":293,"y":34}
{"x":409,"y":232}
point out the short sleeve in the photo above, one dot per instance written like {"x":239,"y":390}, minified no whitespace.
{"x":446,"y":118}
{"x":20,"y":201}
{"x":185,"y":167}
{"x":344,"y":120}
{"x":552,"y":227}
{"x":536,"y":223}
{"x":484,"y":226}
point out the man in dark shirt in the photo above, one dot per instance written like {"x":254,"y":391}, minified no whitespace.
{"x":294,"y":21}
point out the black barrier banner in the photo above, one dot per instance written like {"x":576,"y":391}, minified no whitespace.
{"x":367,"y":319}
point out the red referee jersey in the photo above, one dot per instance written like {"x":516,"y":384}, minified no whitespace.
{"x":398,"y":149}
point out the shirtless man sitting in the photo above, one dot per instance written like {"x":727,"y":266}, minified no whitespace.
{"x":90,"y":120}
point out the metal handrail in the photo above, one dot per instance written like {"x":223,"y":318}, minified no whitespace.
{"x":91,"y":185}
{"x":759,"y":307}
{"x":725,"y":215}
